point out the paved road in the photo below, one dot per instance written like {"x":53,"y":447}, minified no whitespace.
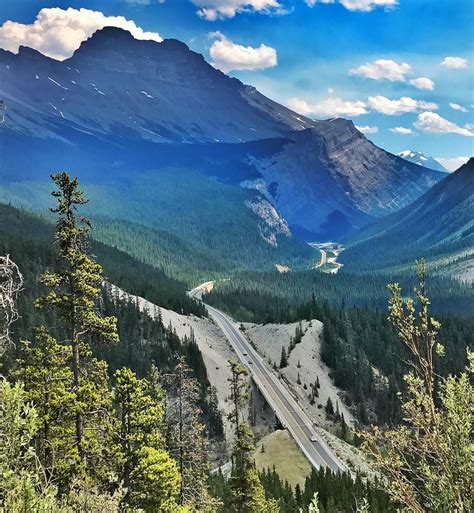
{"x":286,"y":408}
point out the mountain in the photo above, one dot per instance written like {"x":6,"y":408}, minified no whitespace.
{"x":129,"y":116}
{"x":439,"y":226}
{"x":422,"y":160}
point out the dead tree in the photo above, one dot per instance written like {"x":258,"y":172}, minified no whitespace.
{"x":11,"y":282}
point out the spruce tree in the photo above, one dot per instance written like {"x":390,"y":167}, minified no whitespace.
{"x":43,"y":367}
{"x":283,"y":358}
{"x":187,"y":440}
{"x":75,"y":286}
{"x":247,"y":492}
{"x":149,"y":475}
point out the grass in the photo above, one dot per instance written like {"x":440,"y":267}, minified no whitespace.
{"x":283,"y":452}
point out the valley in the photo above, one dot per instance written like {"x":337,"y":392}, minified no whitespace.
{"x":212,"y":301}
{"x":330,"y":251}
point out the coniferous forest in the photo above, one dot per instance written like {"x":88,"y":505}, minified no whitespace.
{"x":236,"y":256}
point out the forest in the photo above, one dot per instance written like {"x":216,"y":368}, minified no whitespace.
{"x":105,"y":409}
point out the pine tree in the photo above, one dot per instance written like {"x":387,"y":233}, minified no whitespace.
{"x":23,"y":486}
{"x":283,"y":358}
{"x":187,"y":440}
{"x":329,"y":407}
{"x":149,"y":475}
{"x":247,"y":494}
{"x":43,"y":367}
{"x":74,"y":292}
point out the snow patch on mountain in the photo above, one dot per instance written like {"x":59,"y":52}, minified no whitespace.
{"x":422,"y":160}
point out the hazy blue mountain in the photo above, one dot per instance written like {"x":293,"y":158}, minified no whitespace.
{"x":120,"y":107}
{"x":439,"y":226}
{"x":422,"y":160}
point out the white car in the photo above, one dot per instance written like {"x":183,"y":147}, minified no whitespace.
{"x":313,"y":439}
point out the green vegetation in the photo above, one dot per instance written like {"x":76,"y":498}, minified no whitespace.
{"x":205,"y":228}
{"x":276,"y":297}
{"x":27,"y":239}
{"x":359,"y":344}
{"x":75,"y":438}
{"x":428,"y":461}
{"x":103,"y":408}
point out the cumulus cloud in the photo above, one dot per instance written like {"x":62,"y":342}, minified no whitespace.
{"x":383,"y":69}
{"x":368,"y":129}
{"x":358,"y":5}
{"x":452,"y":163}
{"x":423,"y":83}
{"x":454,"y":62}
{"x":400,"y":106}
{"x":57,"y":32}
{"x":456,"y":106}
{"x":433,"y":123}
{"x":228,"y":56}
{"x":329,"y":107}
{"x":401,"y":130}
{"x":218,"y":9}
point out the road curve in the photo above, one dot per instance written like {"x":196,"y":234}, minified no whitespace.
{"x":286,"y":408}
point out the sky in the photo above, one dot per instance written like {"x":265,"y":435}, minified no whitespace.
{"x":402,"y":70}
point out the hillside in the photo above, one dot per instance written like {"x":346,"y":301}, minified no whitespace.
{"x":120,"y":111}
{"x":439,"y":226}
{"x":28,"y":238}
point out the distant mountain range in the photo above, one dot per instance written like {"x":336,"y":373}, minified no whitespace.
{"x":140,"y":121}
{"x":439,"y":226}
{"x":422,"y":160}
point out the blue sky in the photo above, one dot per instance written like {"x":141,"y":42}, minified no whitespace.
{"x":381,"y":63}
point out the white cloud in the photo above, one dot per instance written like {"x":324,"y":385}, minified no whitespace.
{"x":454,"y":62}
{"x":57,"y":32}
{"x":433,"y":123}
{"x":329,"y":107}
{"x":228,"y":56}
{"x":400,"y":106}
{"x":218,"y":9}
{"x":401,"y":130}
{"x":423,"y":83}
{"x":452,"y":163}
{"x":383,"y":69}
{"x":358,"y":5}
{"x":368,"y":129}
{"x":456,"y":106}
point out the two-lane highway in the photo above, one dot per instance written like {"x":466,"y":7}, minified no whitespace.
{"x":286,"y":408}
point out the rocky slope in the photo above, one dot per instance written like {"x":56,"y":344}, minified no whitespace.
{"x":120,"y":106}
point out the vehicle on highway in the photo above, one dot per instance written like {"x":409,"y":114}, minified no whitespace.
{"x":250,"y":362}
{"x":313,"y":439}
{"x":245,"y":354}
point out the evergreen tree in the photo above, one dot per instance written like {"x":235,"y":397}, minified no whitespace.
{"x":283,"y":358}
{"x":74,"y":291}
{"x":329,"y":407}
{"x":187,"y":440}
{"x":149,"y":475}
{"x":43,"y":366}
{"x":247,"y":493}
{"x":23,"y":486}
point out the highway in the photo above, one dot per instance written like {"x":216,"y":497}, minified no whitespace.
{"x":286,"y":408}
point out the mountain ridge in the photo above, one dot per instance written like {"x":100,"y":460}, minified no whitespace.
{"x":118,"y":105}
{"x":422,"y":160}
{"x":439,"y":226}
